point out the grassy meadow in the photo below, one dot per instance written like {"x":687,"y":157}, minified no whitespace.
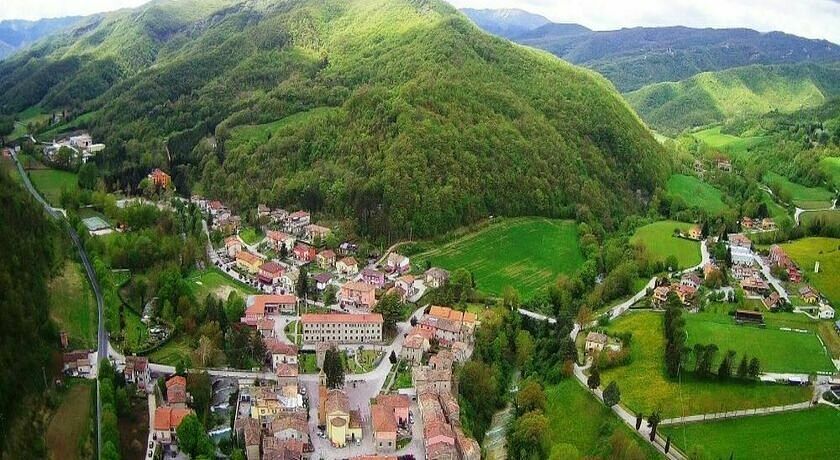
{"x":696,"y":193}
{"x":70,"y":426}
{"x":831,"y":166}
{"x":727,"y":142}
{"x":50,"y":183}
{"x":801,"y":195}
{"x":645,"y":387}
{"x":660,"y":241}
{"x":73,"y":306}
{"x":526,"y":253}
{"x":214,"y":281}
{"x":251,"y":235}
{"x":827,"y":217}
{"x":809,"y":433}
{"x":807,"y":251}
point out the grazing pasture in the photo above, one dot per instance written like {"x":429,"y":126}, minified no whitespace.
{"x":660,"y":241}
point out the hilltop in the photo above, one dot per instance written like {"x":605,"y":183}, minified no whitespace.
{"x":17,"y":33}
{"x":714,"y":97}
{"x":407,"y":118}
{"x":504,"y":22}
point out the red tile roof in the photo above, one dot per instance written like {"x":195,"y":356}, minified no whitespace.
{"x":169,"y":418}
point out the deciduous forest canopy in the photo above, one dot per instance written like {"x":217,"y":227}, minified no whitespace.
{"x":409,"y":119}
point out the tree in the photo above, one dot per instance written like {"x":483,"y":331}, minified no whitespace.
{"x":333,"y":368}
{"x":530,"y":397}
{"x":672,"y":263}
{"x":206,"y":353}
{"x":393,"y":357}
{"x":653,"y":422}
{"x":612,"y":395}
{"x":193,"y":439}
{"x":461,"y":284}
{"x":743,"y":368}
{"x":754,"y":369}
{"x":330,"y":295}
{"x":639,"y":418}
{"x":524,"y":348}
{"x":391,"y":307}
{"x":510,"y":298}
{"x":594,"y":380}
{"x":527,"y":439}
{"x":725,"y":368}
{"x":302,"y":286}
{"x":199,"y":387}
{"x":88,"y":175}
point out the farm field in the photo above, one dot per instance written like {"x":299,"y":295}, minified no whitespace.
{"x":802,"y":196}
{"x":696,"y":193}
{"x":645,"y":387}
{"x":50,"y":182}
{"x":807,"y":251}
{"x":575,"y":420}
{"x":526,"y":253}
{"x":810,"y":433}
{"x":778,"y":351}
{"x":732,"y":144}
{"x":69,"y":428}
{"x":214,"y":281}
{"x":826,"y":217}
{"x":72,"y":305}
{"x":660,"y":241}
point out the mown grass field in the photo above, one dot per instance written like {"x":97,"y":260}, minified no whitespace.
{"x":576,"y":419}
{"x":727,"y":142}
{"x":778,"y":351}
{"x":214,"y":281}
{"x":801,"y":195}
{"x":827,"y":217}
{"x":807,"y":251}
{"x":660,"y":241}
{"x":73,"y":307}
{"x":69,"y":428}
{"x":50,"y":183}
{"x":526,"y":253}
{"x":810,"y":433}
{"x":645,"y":387}
{"x":831,"y":166}
{"x":696,"y":193}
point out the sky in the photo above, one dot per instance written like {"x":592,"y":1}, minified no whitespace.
{"x":807,"y":18}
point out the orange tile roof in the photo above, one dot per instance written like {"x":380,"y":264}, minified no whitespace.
{"x":261,"y":300}
{"x":248,"y":258}
{"x":358,"y":286}
{"x":383,"y":420}
{"x":169,"y":418}
{"x":341,"y":318}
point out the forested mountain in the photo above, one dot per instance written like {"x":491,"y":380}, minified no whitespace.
{"x":507,"y":23}
{"x":399,"y":114}
{"x":27,"y":335}
{"x":635,"y":57}
{"x":713,"y":97}
{"x":17,"y":33}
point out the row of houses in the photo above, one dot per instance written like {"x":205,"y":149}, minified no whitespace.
{"x":765,"y":224}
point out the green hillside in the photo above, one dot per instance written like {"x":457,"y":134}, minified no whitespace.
{"x":714,"y":97}
{"x":432,"y":123}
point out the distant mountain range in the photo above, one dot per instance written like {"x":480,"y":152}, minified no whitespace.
{"x":17,"y":33}
{"x":507,"y":23}
{"x":632,"y":58}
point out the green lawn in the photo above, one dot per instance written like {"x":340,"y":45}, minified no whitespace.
{"x":807,"y":251}
{"x":403,"y":377}
{"x":660,"y":242}
{"x":307,"y":363}
{"x":812,"y":433}
{"x":727,"y":142}
{"x":32,"y":114}
{"x":215,"y":281}
{"x":173,"y":352}
{"x":260,"y":134}
{"x":526,"y":253}
{"x":775,"y":209}
{"x":644,"y":386}
{"x":577,"y":419}
{"x":69,"y":434}
{"x":802,"y":196}
{"x":73,"y":307}
{"x":251,"y":235}
{"x":778,"y":351}
{"x":136,"y":333}
{"x":827,"y":217}
{"x":831,"y":166}
{"x":696,"y":193}
{"x":50,"y":182}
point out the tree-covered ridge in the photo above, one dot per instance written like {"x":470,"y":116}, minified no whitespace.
{"x":743,"y":92}
{"x":432,"y":125}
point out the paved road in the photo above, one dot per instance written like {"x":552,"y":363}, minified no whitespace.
{"x":736,"y":413}
{"x":102,"y":335}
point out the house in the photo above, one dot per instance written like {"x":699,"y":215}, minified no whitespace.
{"x":159,"y":178}
{"x":216,"y":207}
{"x":342,"y":328}
{"x":660,"y":294}
{"x":270,"y":273}
{"x":741,"y":256}
{"x":755,"y":286}
{"x":176,"y":391}
{"x":249,"y":431}
{"x":287,"y":375}
{"x":768,"y":224}
{"x":278,"y":215}
{"x":233,"y":245}
{"x":772,"y":301}
{"x":397,"y":263}
{"x":399,"y":405}
{"x":260,"y":306}
{"x":322,"y":280}
{"x":691,"y":279}
{"x":739,"y":240}
{"x":265,"y":327}
{"x":406,"y":284}
{"x":279,"y":240}
{"x":778,"y":256}
{"x":290,"y":426}
{"x":710,"y":269}
{"x":137,"y":372}
{"x":747,"y":316}
{"x":340,"y":423}
{"x":166,"y":423}
{"x":281,"y":352}
{"x":595,"y":342}
{"x":742,"y":272}
{"x":448,"y":325}
{"x":269,"y":401}
{"x":384,"y":428}
{"x":316,"y":232}
{"x":84,"y":141}
{"x":437,"y":380}
{"x":325,"y":259}
{"x":747,"y":223}
{"x":695,"y":232}
{"x":416,"y":342}
{"x":373,"y":277}
{"x":304,"y":252}
{"x":248,"y":262}
{"x":825,"y":312}
{"x":357,"y":295}
{"x":347,"y":248}
{"x":228,"y":224}
{"x":698,"y":167}
{"x":685,"y":293}
{"x":263,"y":210}
{"x":724,"y":165}
{"x":297,"y":220}
{"x":436,"y":277}
{"x":77,"y":363}
{"x":809,"y":295}
{"x":347,"y":266}
{"x":460,"y":351}
{"x":794,"y":275}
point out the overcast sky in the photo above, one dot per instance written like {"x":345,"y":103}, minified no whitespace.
{"x":808,"y":18}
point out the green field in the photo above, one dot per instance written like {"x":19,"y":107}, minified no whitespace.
{"x":778,"y":351}
{"x":831,"y":166}
{"x":70,"y":427}
{"x":260,"y":134}
{"x":645,"y":387}
{"x":827,"y":217}
{"x":32,"y":114}
{"x":73,"y":307}
{"x":576,"y":419}
{"x":802,"y":196}
{"x":810,"y":433}
{"x":660,"y":242}
{"x":251,"y":235}
{"x":696,"y":193}
{"x":216,"y":282}
{"x":173,"y":352}
{"x":775,"y":209}
{"x":526,"y":253}
{"x":727,"y":142}
{"x":50,"y":182}
{"x":826,"y":251}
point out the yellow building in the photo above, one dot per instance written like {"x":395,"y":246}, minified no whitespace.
{"x":342,"y":424}
{"x":248,"y":262}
